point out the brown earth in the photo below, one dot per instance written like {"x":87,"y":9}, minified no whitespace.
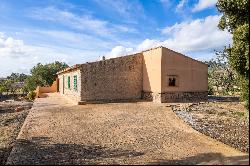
{"x":11,"y":122}
{"x":56,"y":132}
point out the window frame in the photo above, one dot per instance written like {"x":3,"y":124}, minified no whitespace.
{"x":68,"y":82}
{"x":75,"y":82}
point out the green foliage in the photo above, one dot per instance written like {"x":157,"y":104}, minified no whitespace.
{"x":245,"y":91}
{"x":43,"y":75}
{"x":5,"y":85}
{"x":16,"y":77}
{"x":235,"y":19}
{"x":239,"y":114}
{"x":11,"y":83}
{"x":221,"y":76}
{"x":210,"y":89}
{"x":31,"y":83}
{"x":31,"y":95}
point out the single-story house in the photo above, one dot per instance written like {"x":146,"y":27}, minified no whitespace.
{"x":158,"y":74}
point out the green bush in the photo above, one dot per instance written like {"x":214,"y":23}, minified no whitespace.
{"x":31,"y":95}
{"x":245,"y":91}
{"x":210,"y":89}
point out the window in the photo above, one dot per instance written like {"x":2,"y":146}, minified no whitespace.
{"x":172,"y":80}
{"x":68,"y":82}
{"x":75,"y":82}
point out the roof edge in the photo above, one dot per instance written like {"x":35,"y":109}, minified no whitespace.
{"x":153,"y":48}
{"x":186,"y":56}
{"x":76,"y":66}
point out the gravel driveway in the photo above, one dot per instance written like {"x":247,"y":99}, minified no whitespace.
{"x":57,"y":132}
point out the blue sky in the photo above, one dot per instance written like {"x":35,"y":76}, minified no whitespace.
{"x":79,"y":31}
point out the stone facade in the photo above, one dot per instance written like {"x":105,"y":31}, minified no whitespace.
{"x":112,"y":79}
{"x":143,"y":75}
{"x":70,"y":92}
{"x":175,"y":97}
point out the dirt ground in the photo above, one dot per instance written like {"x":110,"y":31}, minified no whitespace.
{"x":56,"y":132}
{"x":227,"y":122}
{"x":10,"y":123}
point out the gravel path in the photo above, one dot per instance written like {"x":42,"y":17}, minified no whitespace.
{"x":115,"y":133}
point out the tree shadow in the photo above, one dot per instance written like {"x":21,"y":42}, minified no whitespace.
{"x":206,"y":159}
{"x":39,"y":151}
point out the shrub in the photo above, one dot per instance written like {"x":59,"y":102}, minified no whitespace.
{"x":31,"y":95}
{"x":210,"y":89}
{"x":245,"y":92}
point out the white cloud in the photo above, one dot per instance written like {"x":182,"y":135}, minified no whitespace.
{"x":119,"y":51}
{"x":148,"y":43}
{"x":20,"y":57}
{"x":194,"y":37}
{"x":84,"y":22}
{"x":199,"y":34}
{"x":203,"y":4}
{"x":71,"y":39}
{"x":11,"y":47}
{"x":197,"y":37}
{"x":181,"y":5}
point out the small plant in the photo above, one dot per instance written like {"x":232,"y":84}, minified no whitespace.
{"x":239,"y":114}
{"x":31,"y":95}
{"x":211,"y":111}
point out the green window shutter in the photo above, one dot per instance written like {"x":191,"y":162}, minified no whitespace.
{"x":75,"y":82}
{"x":68,"y":82}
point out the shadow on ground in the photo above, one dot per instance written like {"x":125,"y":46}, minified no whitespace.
{"x":38,"y":151}
{"x":206,"y":159}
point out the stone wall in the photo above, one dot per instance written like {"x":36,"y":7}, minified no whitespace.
{"x":151,"y":96}
{"x":175,"y":97}
{"x":113,"y":79}
{"x":70,"y":93}
{"x":170,"y":97}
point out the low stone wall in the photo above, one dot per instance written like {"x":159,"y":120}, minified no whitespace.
{"x":172,"y":97}
{"x":175,"y":97}
{"x":151,"y":96}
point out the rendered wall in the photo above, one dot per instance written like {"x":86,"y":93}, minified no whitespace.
{"x":112,"y":79}
{"x":53,"y":88}
{"x":152,"y":70}
{"x":161,"y":63}
{"x":192,"y":74}
{"x":70,"y":93}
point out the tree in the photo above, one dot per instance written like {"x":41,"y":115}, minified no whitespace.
{"x":235,"y":19}
{"x":43,"y":75}
{"x":221,"y":75}
{"x":5,"y":86}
